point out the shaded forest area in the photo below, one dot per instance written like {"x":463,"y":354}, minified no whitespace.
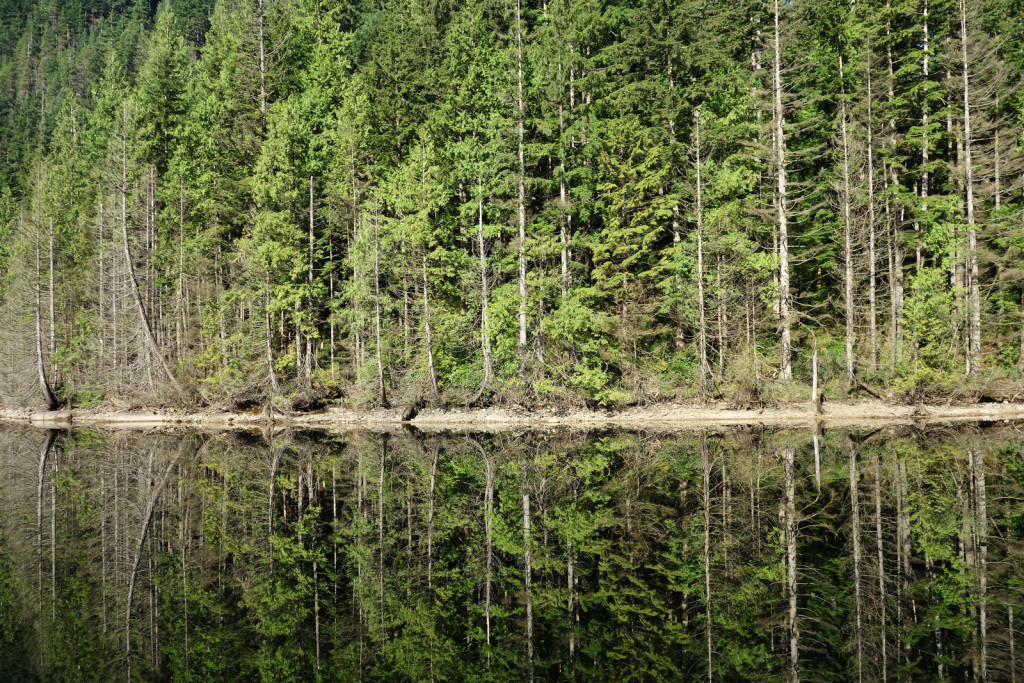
{"x":608,"y":202}
{"x":738,"y":555}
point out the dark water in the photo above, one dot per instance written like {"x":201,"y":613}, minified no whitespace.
{"x":734,"y":553}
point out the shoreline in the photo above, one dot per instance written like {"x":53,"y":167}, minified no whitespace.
{"x":661,"y":417}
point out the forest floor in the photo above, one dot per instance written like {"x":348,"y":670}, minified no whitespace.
{"x":657,"y":417}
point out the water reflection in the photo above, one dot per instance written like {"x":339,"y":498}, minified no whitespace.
{"x":737,"y":554}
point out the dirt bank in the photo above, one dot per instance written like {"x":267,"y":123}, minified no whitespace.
{"x":668,"y":416}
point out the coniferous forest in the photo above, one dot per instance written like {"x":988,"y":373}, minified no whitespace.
{"x":507,"y":202}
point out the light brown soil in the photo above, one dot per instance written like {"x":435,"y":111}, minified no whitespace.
{"x":660,"y":417}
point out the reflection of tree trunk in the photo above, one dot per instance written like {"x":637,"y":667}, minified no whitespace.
{"x":1013,"y":653}
{"x":270,"y":501}
{"x":489,"y":534}
{"x":103,"y":548}
{"x":981,"y":530}
{"x":706,"y":490}
{"x":147,"y":517}
{"x":527,"y":574}
{"x":817,"y":456}
{"x":790,"y":533}
{"x":380,"y":531}
{"x":855,"y":535}
{"x":881,"y":563}
{"x":430,"y":517}
{"x":53,"y":540}
{"x":44,"y":452}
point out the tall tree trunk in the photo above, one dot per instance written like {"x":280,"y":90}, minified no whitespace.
{"x":485,"y":320}
{"x":261,"y":18}
{"x":268,"y":331}
{"x":426,"y":328}
{"x":521,"y":188}
{"x":53,"y":317}
{"x":893,"y":229}
{"x":154,"y":348}
{"x":382,"y":395}
{"x":974,"y":305}
{"x":309,"y":299}
{"x":702,"y":340}
{"x":785,"y":299}
{"x":847,"y":232}
{"x":44,"y":383}
{"x":924,"y":138}
{"x":872,"y":257}
{"x":180,"y":317}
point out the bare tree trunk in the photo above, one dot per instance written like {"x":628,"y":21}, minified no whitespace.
{"x":154,"y":348}
{"x":972,"y":232}
{"x":847,"y":233}
{"x":180,"y":318}
{"x":780,"y":165}
{"x":44,"y":383}
{"x":485,"y":322}
{"x":53,"y":317}
{"x":309,"y":299}
{"x":894,"y":230}
{"x":924,"y":137}
{"x":426,"y":328}
{"x":702,"y":340}
{"x":521,"y":187}
{"x":274,"y":386}
{"x":872,"y":257}
{"x":262,"y":68}
{"x":382,"y":395}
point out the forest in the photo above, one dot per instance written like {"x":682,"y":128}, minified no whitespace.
{"x":507,"y":202}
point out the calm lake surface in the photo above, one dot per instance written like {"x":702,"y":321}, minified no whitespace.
{"x":743,"y":553}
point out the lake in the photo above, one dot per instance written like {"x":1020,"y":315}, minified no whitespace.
{"x":737,"y":553}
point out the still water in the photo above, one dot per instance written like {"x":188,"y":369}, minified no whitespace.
{"x":735,"y":554}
